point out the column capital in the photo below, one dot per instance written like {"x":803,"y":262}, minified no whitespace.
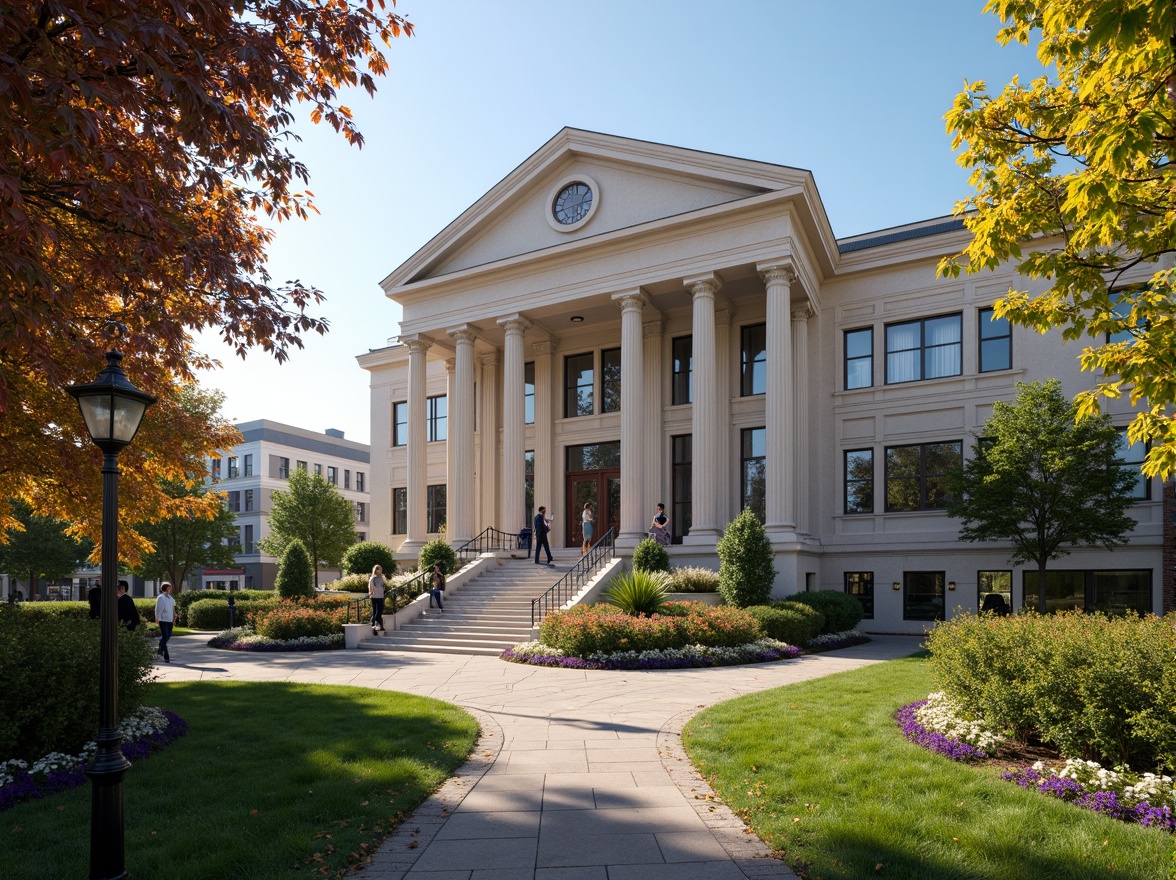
{"x":706,"y":284}
{"x":450,"y":364}
{"x":543,"y":348}
{"x":802,"y":312}
{"x":466,"y":333}
{"x":631,"y":300}
{"x":514,"y":324}
{"x":780,"y":271}
{"x":490,"y":359}
{"x":416,"y":344}
{"x":722,"y":317}
{"x":653,"y":329}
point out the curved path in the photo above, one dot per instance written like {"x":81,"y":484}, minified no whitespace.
{"x":578,"y":775}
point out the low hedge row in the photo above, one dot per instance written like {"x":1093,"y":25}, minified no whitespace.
{"x":792,"y":623}
{"x":840,"y":611}
{"x":80,"y":610}
{"x":48,"y":663}
{"x":296,"y":620}
{"x":1094,"y":687}
{"x":187,"y":598}
{"x":603,"y":629}
{"x":213,"y":614}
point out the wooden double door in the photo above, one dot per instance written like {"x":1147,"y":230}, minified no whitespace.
{"x":601,"y":489}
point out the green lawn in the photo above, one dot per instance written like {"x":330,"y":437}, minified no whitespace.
{"x":272,"y":780}
{"x":823,"y":774}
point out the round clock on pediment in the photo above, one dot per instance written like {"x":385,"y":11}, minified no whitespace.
{"x":573,"y":202}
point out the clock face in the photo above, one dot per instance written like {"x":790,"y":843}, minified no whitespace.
{"x":573,"y":203}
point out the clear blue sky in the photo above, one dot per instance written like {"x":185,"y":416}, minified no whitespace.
{"x":852,"y":90}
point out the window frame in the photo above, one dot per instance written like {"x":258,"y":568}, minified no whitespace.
{"x":400,"y":510}
{"x":247,"y":465}
{"x":748,"y":372}
{"x":574,"y":393}
{"x":435,"y":502}
{"x":746,"y":497}
{"x":867,"y":358}
{"x":908,"y":593}
{"x":922,"y":476}
{"x":681,"y":486}
{"x":360,"y":481}
{"x":1007,"y":336}
{"x":399,"y":424}
{"x":1143,"y":483}
{"x":851,"y":481}
{"x":865,"y":595}
{"x":610,"y":388}
{"x":985,"y":575}
{"x":283,"y":468}
{"x":923,"y":348}
{"x":333,"y":475}
{"x":529,"y":393}
{"x":681,"y":372}
{"x":436,"y":422}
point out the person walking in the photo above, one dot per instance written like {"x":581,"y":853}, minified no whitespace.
{"x":587,"y":526}
{"x":376,"y":587}
{"x":540,"y":531}
{"x":438,"y":586}
{"x":128,"y":614}
{"x":165,"y":616}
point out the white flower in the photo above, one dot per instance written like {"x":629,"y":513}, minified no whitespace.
{"x":941,"y":715}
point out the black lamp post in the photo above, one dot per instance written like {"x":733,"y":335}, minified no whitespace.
{"x":113,"y":408}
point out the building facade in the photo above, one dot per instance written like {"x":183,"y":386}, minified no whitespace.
{"x":621,"y":323}
{"x":254,"y":469}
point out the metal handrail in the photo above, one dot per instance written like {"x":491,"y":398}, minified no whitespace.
{"x":395,"y":598}
{"x":489,"y":540}
{"x":572,"y":582}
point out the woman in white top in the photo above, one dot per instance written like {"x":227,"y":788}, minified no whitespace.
{"x":376,"y":585}
{"x":587,"y":525}
{"x":165,"y":616}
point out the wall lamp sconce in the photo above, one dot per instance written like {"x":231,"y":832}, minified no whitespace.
{"x":577,"y":319}
{"x":951,"y":585}
{"x":896,"y":585}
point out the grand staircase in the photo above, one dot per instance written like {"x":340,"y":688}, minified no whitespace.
{"x":485,"y":616}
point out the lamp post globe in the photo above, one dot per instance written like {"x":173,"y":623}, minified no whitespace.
{"x":112,"y":408}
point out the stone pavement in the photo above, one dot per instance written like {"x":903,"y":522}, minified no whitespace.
{"x":578,"y":774}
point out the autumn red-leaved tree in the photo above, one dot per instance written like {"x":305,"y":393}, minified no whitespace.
{"x":141,"y":145}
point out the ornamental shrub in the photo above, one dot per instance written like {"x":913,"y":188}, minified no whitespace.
{"x":604,"y":629}
{"x":841,"y":610}
{"x":185,"y":599}
{"x":351,"y":583}
{"x":746,"y":572}
{"x":689,"y":579}
{"x":787,"y":624}
{"x":213,"y":614}
{"x":295,"y":621}
{"x":651,"y":556}
{"x":434,"y":552}
{"x":295,"y":575}
{"x":361,"y":558}
{"x":49,"y":701}
{"x":637,"y":592}
{"x":816,"y":620}
{"x":1092,"y":686}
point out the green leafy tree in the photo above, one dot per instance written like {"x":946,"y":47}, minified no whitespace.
{"x":1044,"y":478}
{"x":40,"y":548}
{"x":1073,"y":182}
{"x":311,"y":511}
{"x":296,"y":576}
{"x":649,"y":555}
{"x":746,"y":572}
{"x":187,"y":540}
{"x":434,"y":552}
{"x":361,"y":558}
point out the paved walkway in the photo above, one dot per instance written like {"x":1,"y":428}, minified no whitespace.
{"x":578,"y":775}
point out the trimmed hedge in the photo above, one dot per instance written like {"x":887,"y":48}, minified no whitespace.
{"x":80,"y":610}
{"x":188,"y":597}
{"x":1092,"y":686}
{"x":48,"y":663}
{"x":794,"y":624}
{"x":213,"y":614}
{"x":361,"y":558}
{"x":841,"y":610}
{"x":649,"y":555}
{"x":746,"y":572}
{"x":593,"y":629}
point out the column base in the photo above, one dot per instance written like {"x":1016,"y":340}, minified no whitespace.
{"x":629,"y":540}
{"x":781,"y":534}
{"x":411,"y":546}
{"x":702,"y":536}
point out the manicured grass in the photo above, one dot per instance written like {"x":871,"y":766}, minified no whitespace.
{"x":272,"y":780}
{"x":823,"y":774}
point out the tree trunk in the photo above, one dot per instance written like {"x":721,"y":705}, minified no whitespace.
{"x":1041,"y":606}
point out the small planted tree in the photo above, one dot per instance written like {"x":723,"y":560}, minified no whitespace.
{"x":651,"y":556}
{"x":746,"y":572}
{"x":314,"y":512}
{"x":434,"y":552}
{"x":361,"y":558}
{"x":295,"y":575}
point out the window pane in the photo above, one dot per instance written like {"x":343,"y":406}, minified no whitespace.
{"x":681,"y":488}
{"x":610,"y":380}
{"x":943,"y":350}
{"x":860,"y":584}
{"x":1132,"y":456}
{"x":1064,"y":590}
{"x":400,"y":423}
{"x":683,"y":369}
{"x":939,"y":460}
{"x":859,"y":358}
{"x":995,"y":355}
{"x":902,"y":478}
{"x":754,"y":359}
{"x":438,"y":408}
{"x":995,"y":592}
{"x":593,"y":457}
{"x":579,"y":380}
{"x":859,"y":481}
{"x":1122,"y":592}
{"x":922,"y":595}
{"x":529,"y":393}
{"x":754,"y":470}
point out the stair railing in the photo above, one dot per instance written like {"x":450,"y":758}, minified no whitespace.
{"x":395,"y":598}
{"x":572,"y":582}
{"x":489,"y":540}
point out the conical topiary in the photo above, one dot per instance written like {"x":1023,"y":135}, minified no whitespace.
{"x":295,"y":576}
{"x":746,"y":572}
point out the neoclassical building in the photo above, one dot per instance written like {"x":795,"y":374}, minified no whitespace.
{"x":624,"y":323}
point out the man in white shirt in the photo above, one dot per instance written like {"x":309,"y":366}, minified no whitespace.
{"x":165,"y":616}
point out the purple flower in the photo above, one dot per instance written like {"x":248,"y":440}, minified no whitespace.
{"x":1100,"y":800}
{"x":933,"y":740}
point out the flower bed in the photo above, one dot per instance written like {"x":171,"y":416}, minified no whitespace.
{"x":833,"y":641}
{"x":148,"y":730}
{"x":244,"y":639}
{"x":934,"y":724}
{"x":762,"y":651}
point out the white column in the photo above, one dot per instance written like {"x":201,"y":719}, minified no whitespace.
{"x":728,"y":464}
{"x":489,"y":468}
{"x":705,"y":426}
{"x":450,"y":456}
{"x":545,"y":415}
{"x":417,"y":461}
{"x":512,"y":513}
{"x":780,"y":516}
{"x":632,"y":418}
{"x":652,"y":432}
{"x":460,"y":507}
{"x":800,"y":420}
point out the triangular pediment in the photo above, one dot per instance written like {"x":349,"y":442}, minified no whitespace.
{"x":634,"y":183}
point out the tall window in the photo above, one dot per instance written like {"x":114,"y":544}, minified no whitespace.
{"x":301,"y":465}
{"x":926,"y":349}
{"x":215,"y":468}
{"x":346,"y":479}
{"x":996,"y":342}
{"x":284,"y":468}
{"x":234,"y":502}
{"x":247,"y":544}
{"x":400,"y":511}
{"x":360,"y":512}
{"x":917,"y":476}
{"x":753,"y":359}
{"x":994,"y":591}
{"x":859,"y":481}
{"x":400,"y":423}
{"x":579,"y":383}
{"x":359,"y":481}
{"x":438,"y":408}
{"x":247,"y":466}
{"x":860,"y":585}
{"x":248,"y":500}
{"x":234,"y":470}
{"x":529,"y":393}
{"x":610,"y":380}
{"x":859,"y":358}
{"x":1121,"y":309}
{"x":318,"y":469}
{"x":332,"y":475}
{"x":1131,"y":455}
{"x":435,"y":503}
{"x":753,"y":470}
{"x":681,"y":497}
{"x":528,"y":486}
{"x":682,"y":351}
{"x":922,"y":595}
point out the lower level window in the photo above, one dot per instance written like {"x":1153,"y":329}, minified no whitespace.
{"x":1127,"y":591}
{"x":754,"y":459}
{"x":922,"y":595}
{"x":860,"y":585}
{"x":435,"y":501}
{"x":400,"y":511}
{"x":995,"y":591}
